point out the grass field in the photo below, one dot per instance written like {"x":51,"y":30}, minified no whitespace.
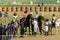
{"x":54,"y":36}
{"x":34,"y":1}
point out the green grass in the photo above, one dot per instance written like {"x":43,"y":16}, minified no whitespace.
{"x":49,"y":16}
{"x":35,"y":1}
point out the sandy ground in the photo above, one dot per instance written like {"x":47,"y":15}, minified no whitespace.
{"x":55,"y":36}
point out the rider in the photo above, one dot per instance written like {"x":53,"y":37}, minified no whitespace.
{"x":25,"y":14}
{"x":53,"y":20}
{"x":14,"y":17}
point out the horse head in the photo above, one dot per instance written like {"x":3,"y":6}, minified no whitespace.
{"x":41,"y":17}
{"x":29,"y":16}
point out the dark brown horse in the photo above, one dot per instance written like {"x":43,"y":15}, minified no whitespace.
{"x":40,"y":18}
{"x":27,"y":22}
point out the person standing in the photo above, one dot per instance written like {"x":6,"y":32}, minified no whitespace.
{"x":1,"y":29}
{"x":35,"y":26}
{"x":10,"y":30}
{"x":46,"y":26}
{"x":5,"y":16}
{"x":22,"y":27}
{"x":4,"y":32}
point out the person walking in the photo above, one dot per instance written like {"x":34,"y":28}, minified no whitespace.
{"x":46,"y":26}
{"x":22,"y":28}
{"x":35,"y":24}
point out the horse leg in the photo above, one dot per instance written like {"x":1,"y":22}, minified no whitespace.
{"x":25,"y":29}
{"x":40,"y":29}
{"x":29,"y":30}
{"x":51,"y":30}
{"x":56,"y":29}
{"x":32,"y":28}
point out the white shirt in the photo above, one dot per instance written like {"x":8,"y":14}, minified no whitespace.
{"x":46,"y":26}
{"x":35,"y":25}
{"x":54,"y":18}
{"x":14,"y":18}
{"x":36,"y":16}
{"x":31,"y":12}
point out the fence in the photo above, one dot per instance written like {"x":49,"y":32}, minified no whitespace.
{"x":29,"y":8}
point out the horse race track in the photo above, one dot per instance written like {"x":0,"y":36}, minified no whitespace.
{"x":55,"y":35}
{"x":41,"y":37}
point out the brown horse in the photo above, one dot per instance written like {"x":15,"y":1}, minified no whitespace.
{"x":27,"y":22}
{"x":40,"y":18}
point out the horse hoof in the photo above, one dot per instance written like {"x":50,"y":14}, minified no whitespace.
{"x":40,"y":33}
{"x":21,"y":36}
{"x":29,"y":34}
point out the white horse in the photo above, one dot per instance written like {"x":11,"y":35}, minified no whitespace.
{"x":57,"y":24}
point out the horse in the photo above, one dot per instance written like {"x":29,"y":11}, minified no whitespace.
{"x":27,"y":22}
{"x":57,"y":24}
{"x":40,"y":18}
{"x":16,"y":26}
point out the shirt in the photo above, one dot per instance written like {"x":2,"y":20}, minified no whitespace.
{"x":53,"y":19}
{"x":36,"y":15}
{"x":35,"y":23}
{"x":14,"y":18}
{"x":10,"y":28}
{"x":0,"y":14}
{"x":46,"y":23}
{"x":4,"y":30}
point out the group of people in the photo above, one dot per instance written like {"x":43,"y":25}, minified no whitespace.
{"x":11,"y":28}
{"x":35,"y":24}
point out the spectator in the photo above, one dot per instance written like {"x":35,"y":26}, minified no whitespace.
{"x":1,"y":29}
{"x":10,"y":30}
{"x":0,"y":16}
{"x":4,"y":32}
{"x":6,"y":16}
